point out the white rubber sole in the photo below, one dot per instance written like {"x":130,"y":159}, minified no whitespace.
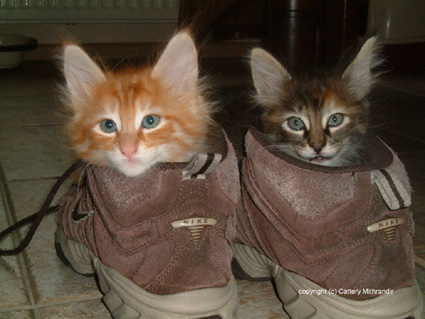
{"x":304,"y":299}
{"x":126,"y":300}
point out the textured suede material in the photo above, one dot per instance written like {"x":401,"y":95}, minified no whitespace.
{"x":227,"y":177}
{"x":158,"y":191}
{"x":131,"y":229}
{"x":311,"y":231}
{"x":293,"y":188}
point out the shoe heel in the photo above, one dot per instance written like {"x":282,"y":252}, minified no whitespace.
{"x":304,"y":299}
{"x":74,"y":254}
{"x":126,"y":300}
{"x":250,"y":265}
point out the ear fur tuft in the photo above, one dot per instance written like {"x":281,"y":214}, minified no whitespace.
{"x":80,"y":71}
{"x":268,"y":74}
{"x":359,"y":74}
{"x":178,"y":64}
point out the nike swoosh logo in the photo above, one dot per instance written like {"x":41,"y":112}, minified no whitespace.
{"x":77,"y":216}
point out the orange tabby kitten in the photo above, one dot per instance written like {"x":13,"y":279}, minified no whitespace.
{"x":134,"y":118}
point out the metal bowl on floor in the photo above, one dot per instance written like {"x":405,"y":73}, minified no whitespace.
{"x":12,"y":49}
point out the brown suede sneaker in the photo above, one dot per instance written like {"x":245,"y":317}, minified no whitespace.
{"x":336,"y":240}
{"x":160,"y":243}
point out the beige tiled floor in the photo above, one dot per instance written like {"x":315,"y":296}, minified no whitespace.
{"x":35,"y":284}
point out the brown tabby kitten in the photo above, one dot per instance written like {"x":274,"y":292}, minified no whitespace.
{"x":322,"y":119}
{"x":133,"y":118}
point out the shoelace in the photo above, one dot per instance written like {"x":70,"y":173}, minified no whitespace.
{"x":36,"y":218}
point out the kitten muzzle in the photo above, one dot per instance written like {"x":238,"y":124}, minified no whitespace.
{"x":318,"y":159}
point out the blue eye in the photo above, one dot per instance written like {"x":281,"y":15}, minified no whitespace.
{"x":108,"y":126}
{"x":151,"y":121}
{"x":335,"y":119}
{"x":295,"y":123}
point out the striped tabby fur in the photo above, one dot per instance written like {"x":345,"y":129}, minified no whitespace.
{"x":321,"y":118}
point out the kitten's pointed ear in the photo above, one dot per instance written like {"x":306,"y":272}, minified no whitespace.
{"x":268,"y":74}
{"x":178,"y":64}
{"x":359,"y":73}
{"x":80,"y":71}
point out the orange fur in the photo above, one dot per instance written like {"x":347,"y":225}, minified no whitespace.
{"x":125,"y":96}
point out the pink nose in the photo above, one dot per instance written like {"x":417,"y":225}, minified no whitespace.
{"x":129,"y":145}
{"x":128,"y":150}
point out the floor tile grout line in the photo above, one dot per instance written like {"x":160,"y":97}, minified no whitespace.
{"x":29,"y":286}
{"x":47,"y":305}
{"x":8,"y":205}
{"x":12,"y":181}
{"x":23,"y":308}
